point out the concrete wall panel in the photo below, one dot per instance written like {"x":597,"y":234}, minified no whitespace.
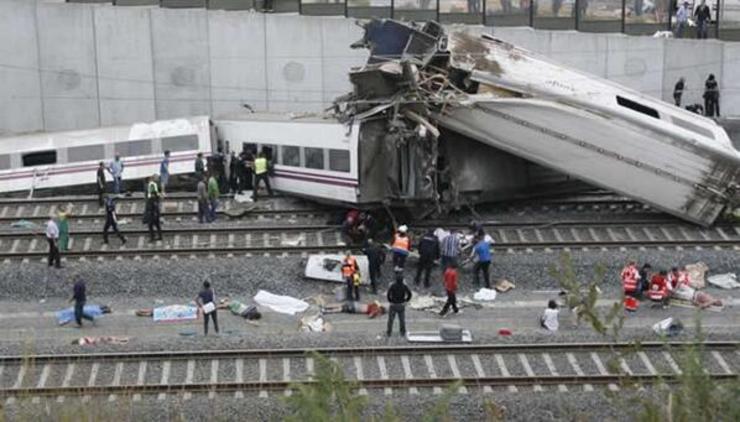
{"x":125,"y":67}
{"x":20,"y":84}
{"x":729,"y":83}
{"x":237,"y":56}
{"x":586,"y":52}
{"x":337,"y":34}
{"x":694,"y":60}
{"x":181,"y":62}
{"x":67,"y":57}
{"x":294,"y":63}
{"x":636,"y":62}
{"x":527,"y":38}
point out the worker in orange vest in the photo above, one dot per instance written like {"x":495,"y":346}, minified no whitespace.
{"x":630,"y":276}
{"x":660,"y":288}
{"x":400,"y":247}
{"x":349,"y":270}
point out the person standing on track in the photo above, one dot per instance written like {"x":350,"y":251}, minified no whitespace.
{"x":206,"y":301}
{"x":261,"y":173}
{"x":375,"y":258}
{"x":202,"y":194}
{"x":111,"y":220}
{"x":200,"y":167}
{"x":349,"y":269}
{"x":63,"y":225}
{"x":450,"y":277}
{"x":213,"y":195}
{"x":400,"y":247}
{"x":116,"y":170}
{"x":482,"y":254}
{"x":164,"y":172}
{"x":428,"y":253}
{"x":152,"y":209}
{"x":100,"y":183}
{"x":52,"y":236}
{"x":398,"y":295}
{"x":79,"y":297}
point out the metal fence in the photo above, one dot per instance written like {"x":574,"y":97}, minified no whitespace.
{"x":627,"y":16}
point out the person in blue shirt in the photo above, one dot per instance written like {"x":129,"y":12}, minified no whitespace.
{"x":164,"y":171}
{"x":482,"y":255}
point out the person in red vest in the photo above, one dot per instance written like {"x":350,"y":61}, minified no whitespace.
{"x":660,"y":288}
{"x":630,"y":276}
{"x":349,"y":268}
{"x":400,"y":247}
{"x":678,"y":278}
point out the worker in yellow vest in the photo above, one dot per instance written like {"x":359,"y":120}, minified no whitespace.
{"x":261,"y":167}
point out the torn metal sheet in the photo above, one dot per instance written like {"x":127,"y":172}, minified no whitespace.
{"x":329,"y":268}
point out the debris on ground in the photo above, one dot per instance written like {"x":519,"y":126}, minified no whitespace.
{"x":668,"y":327}
{"x":244,"y":198}
{"x":24,"y":224}
{"x":328,"y":267}
{"x":314,"y":324}
{"x":448,"y":333}
{"x":724,"y":281}
{"x":485,"y":295}
{"x":423,"y":302}
{"x":67,"y":315}
{"x":92,"y":341}
{"x":281,"y":304}
{"x":504,"y":286}
{"x":697,"y":272}
{"x":170,"y":313}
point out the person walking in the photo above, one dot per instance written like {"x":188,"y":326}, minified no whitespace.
{"x":450,"y":277}
{"x":678,"y":91}
{"x":116,"y":170}
{"x":375,"y":259}
{"x":482,"y":254}
{"x":52,"y":236}
{"x":206,"y":301}
{"x":682,"y":20}
{"x":202,"y":194}
{"x":247,"y":157}
{"x":111,"y":220}
{"x":200,"y":167}
{"x":349,"y":269}
{"x":549,"y":318}
{"x":213,"y":195}
{"x":702,"y":15}
{"x":401,"y":247}
{"x":398,"y":295}
{"x":711,"y":97}
{"x":63,"y":225}
{"x":79,"y":297}
{"x":164,"y":171}
{"x":100,"y":183}
{"x":152,"y":209}
{"x":428,"y":253}
{"x":261,"y":167}
{"x":450,"y":249}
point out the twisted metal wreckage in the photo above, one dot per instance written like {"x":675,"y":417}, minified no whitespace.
{"x":426,"y":95}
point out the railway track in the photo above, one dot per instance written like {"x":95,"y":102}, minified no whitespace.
{"x":303,"y":239}
{"x":524,"y":367}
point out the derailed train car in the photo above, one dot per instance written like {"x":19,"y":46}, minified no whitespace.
{"x":423,"y":81}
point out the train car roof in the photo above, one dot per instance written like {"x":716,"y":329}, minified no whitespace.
{"x":278,"y":117}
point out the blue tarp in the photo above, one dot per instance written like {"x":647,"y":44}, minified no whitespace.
{"x":67,"y":315}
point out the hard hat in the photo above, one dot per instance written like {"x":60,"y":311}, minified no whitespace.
{"x":403,"y":229}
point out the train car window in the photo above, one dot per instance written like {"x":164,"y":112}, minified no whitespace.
{"x":270,"y":151}
{"x":134,"y":148}
{"x":40,"y":158}
{"x":692,"y":127}
{"x":86,"y":153}
{"x":314,"y":158}
{"x":632,"y":105}
{"x":180,"y":143}
{"x":339,"y":160}
{"x":290,"y":156}
{"x":4,"y":161}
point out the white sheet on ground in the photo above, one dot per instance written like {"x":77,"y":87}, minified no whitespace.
{"x":724,"y":281}
{"x":282,"y":304}
{"x":485,"y":295}
{"x":423,"y":302}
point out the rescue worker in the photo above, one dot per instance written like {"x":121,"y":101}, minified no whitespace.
{"x":678,"y":91}
{"x":428,"y":253}
{"x":100,"y":183}
{"x":678,"y":278}
{"x":711,"y":97}
{"x":152,"y":208}
{"x":111,"y":220}
{"x":200,"y":167}
{"x":375,"y":258}
{"x":400,"y":247}
{"x":660,"y":288}
{"x":213,"y":195}
{"x":630,"y":276}
{"x":349,"y":269}
{"x":261,"y":167}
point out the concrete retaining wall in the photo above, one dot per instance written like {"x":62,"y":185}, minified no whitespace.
{"x":68,"y":66}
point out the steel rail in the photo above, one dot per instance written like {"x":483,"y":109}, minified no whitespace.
{"x":365,"y":350}
{"x":211,"y":229}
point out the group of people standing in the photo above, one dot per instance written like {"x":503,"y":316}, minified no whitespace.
{"x":702,"y":16}
{"x":711,"y":97}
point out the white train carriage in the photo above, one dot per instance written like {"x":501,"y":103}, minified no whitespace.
{"x":313,"y":156}
{"x":57,"y":159}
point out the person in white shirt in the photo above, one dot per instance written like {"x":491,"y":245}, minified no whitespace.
{"x":682,"y":19}
{"x":52,"y":236}
{"x":549,"y":319}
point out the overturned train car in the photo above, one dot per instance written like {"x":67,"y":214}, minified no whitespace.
{"x":427,"y":83}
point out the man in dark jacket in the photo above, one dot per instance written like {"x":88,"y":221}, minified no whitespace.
{"x":79,"y":297}
{"x":111,"y":220}
{"x":375,"y":258}
{"x":428,"y":252}
{"x":100,"y":182}
{"x":702,"y":15}
{"x":678,"y":91}
{"x":711,"y":97}
{"x":398,"y":295}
